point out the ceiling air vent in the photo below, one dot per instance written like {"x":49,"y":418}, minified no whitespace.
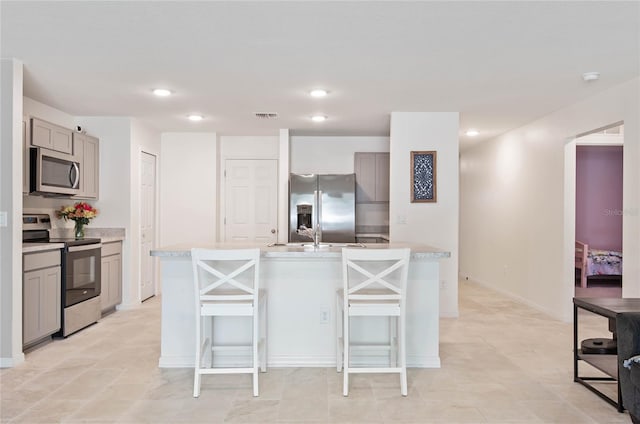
{"x":266,"y":115}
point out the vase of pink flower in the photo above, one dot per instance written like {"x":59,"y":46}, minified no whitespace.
{"x":81,"y":213}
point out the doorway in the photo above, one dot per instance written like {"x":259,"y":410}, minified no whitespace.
{"x":251,"y":200}
{"x":598,"y":213}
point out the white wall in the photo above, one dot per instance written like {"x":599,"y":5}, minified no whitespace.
{"x":248,"y":147}
{"x":188,"y":184}
{"x":143,"y":139}
{"x":121,"y":141}
{"x":11,"y":111}
{"x":434,"y":224}
{"x":284,"y":165}
{"x":331,"y":155}
{"x":115,"y":197}
{"x":514,"y":236}
{"x":35,"y":109}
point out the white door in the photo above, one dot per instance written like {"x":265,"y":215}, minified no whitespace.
{"x":147,"y":224}
{"x":251,"y":200}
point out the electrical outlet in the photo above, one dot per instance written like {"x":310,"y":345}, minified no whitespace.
{"x":3,"y":219}
{"x":324,"y":315}
{"x":443,"y":284}
{"x":401,"y":219}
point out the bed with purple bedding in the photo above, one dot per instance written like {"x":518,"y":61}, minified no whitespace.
{"x":597,"y":262}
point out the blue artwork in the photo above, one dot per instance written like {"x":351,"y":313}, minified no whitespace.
{"x":424,"y":177}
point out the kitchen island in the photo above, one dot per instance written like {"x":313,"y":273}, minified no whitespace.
{"x":301,"y":283}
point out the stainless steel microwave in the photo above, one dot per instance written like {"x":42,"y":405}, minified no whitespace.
{"x":53,"y":173}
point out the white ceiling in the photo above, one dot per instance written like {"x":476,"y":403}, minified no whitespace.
{"x":500,"y":64}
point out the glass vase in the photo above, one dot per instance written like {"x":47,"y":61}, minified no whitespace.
{"x":79,"y":230}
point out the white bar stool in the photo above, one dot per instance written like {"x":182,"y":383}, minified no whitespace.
{"x":374,"y":284}
{"x":226,"y":283}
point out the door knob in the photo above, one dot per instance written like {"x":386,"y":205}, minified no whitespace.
{"x":273,"y":231}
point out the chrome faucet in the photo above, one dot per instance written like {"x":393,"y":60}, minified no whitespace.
{"x":317,"y":236}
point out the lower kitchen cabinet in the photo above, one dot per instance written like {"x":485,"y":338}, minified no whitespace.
{"x":41,"y":296}
{"x":111,"y":277}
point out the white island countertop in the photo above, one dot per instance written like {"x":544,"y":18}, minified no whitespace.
{"x":306,"y":250}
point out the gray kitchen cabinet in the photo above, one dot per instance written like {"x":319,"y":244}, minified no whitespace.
{"x":51,"y":136}
{"x":41,"y":296}
{"x":25,"y":155}
{"x":86,"y":151}
{"x":111,"y":276}
{"x":372,"y":177}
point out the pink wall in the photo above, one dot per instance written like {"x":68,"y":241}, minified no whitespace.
{"x":599,"y":196}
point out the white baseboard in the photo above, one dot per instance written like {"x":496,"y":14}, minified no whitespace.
{"x":11,"y":362}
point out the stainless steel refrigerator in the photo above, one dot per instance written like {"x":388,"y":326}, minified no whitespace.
{"x":324,"y":205}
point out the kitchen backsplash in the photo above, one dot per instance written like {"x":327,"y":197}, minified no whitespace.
{"x":372,"y":229}
{"x":89,"y":232}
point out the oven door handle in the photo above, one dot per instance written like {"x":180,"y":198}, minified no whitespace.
{"x":85,"y":247}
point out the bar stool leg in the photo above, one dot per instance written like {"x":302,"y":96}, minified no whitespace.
{"x":339,"y":334}
{"x":256,"y":340}
{"x":403,"y":355}
{"x":196,"y":366}
{"x":263,"y":323}
{"x":393,"y":341}
{"x":345,"y":343}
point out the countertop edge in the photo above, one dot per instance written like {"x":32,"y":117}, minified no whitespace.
{"x":40,"y":247}
{"x":43,"y":247}
{"x":418,"y":252}
{"x":111,"y":239}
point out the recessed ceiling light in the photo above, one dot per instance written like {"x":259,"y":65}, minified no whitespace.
{"x":590,"y":76}
{"x":195,"y":117}
{"x":161,"y":92}
{"x":318,"y":92}
{"x":472,"y":132}
{"x":318,"y":118}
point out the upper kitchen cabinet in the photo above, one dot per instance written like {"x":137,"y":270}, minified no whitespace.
{"x":51,"y":136}
{"x":25,"y":155}
{"x":86,"y":150}
{"x":372,"y":177}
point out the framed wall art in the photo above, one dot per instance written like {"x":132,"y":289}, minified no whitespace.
{"x":423,"y":176}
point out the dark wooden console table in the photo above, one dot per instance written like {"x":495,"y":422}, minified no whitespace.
{"x":607,"y":363}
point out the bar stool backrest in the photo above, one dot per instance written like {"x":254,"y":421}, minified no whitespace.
{"x":375,"y":274}
{"x":226,"y":275}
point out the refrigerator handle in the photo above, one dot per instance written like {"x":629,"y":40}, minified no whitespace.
{"x":319,"y":219}
{"x":314,"y":213}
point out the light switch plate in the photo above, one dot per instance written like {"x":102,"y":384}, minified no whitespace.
{"x":3,"y":218}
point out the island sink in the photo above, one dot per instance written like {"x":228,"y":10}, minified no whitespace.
{"x":318,"y":246}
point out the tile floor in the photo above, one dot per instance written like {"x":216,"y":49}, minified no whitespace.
{"x":502,"y":362}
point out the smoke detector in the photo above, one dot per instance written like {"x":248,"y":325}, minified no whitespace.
{"x":266,"y":115}
{"x":590,"y":76}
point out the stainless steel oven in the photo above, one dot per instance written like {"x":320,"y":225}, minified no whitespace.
{"x":81,"y":283}
{"x":81,"y":270}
